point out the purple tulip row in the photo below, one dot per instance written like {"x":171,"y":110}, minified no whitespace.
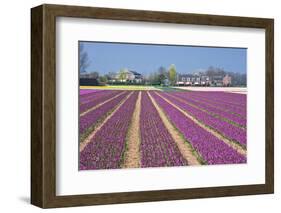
{"x":211,"y":149}
{"x":86,"y":91}
{"x":157,"y":147}
{"x":90,"y":96}
{"x":91,"y":118}
{"x":240,"y":111}
{"x":106,"y":148}
{"x":225,"y":96}
{"x":87,"y":96}
{"x":228,"y":130}
{"x":231,"y":108}
{"x":97,"y":99}
{"x":238,"y":100}
{"x":212,"y":109}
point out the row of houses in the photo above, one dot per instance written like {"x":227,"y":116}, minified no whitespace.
{"x":203,"y":80}
{"x":131,"y":76}
{"x":182,"y":79}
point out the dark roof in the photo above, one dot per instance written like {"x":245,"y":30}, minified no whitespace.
{"x":217,"y":77}
{"x":88,"y":82}
{"x":134,"y":72}
{"x":186,"y":75}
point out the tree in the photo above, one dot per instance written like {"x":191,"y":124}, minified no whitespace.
{"x":212,"y":71}
{"x":84,"y":61}
{"x":94,"y":75}
{"x":238,"y":79}
{"x":122,"y":75}
{"x":162,"y":74}
{"x":172,"y":73}
{"x":103,"y":79}
{"x":150,"y":78}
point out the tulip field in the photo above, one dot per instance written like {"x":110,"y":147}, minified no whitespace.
{"x":156,"y":128}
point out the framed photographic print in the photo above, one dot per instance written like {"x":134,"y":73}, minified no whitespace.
{"x":136,"y":106}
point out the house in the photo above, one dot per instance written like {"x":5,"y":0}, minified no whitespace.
{"x":126,"y":75}
{"x":133,"y":76}
{"x":129,"y":76}
{"x":193,"y":80}
{"x":221,"y":80}
{"x":203,"y":80}
{"x":217,"y":80}
{"x":185,"y":79}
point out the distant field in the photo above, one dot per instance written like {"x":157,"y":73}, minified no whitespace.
{"x":241,"y":90}
{"x":139,"y":127}
{"x":120,"y":87}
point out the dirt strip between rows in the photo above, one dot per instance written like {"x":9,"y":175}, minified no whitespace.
{"x":133,"y":140}
{"x":99,"y":126}
{"x":185,"y":149}
{"x":100,"y":104}
{"x":235,"y":146}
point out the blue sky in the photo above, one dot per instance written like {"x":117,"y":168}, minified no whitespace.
{"x":111,"y":57}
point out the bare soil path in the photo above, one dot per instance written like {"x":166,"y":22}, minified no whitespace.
{"x":133,"y":140}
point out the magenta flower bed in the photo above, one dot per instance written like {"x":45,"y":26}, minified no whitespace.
{"x":211,"y":149}
{"x":225,"y":97}
{"x":107,"y":146}
{"x":92,"y":96}
{"x":240,"y":111}
{"x":97,"y":99}
{"x":230,"y":107}
{"x":210,"y":108}
{"x":222,"y":101}
{"x":93,"y":116}
{"x":87,"y":91}
{"x":228,"y":130}
{"x":157,"y":147}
